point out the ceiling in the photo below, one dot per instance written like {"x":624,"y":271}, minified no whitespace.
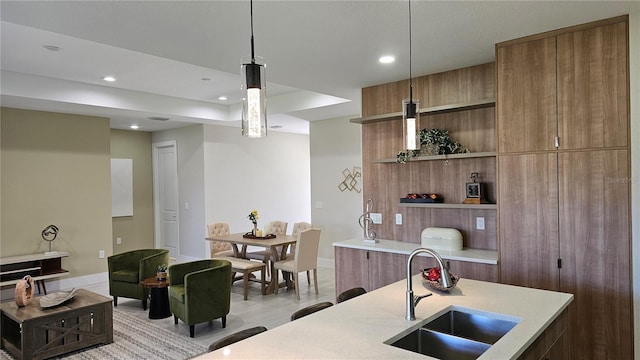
{"x":173,"y":59}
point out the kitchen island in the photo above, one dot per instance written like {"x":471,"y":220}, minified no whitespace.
{"x":358,"y":328}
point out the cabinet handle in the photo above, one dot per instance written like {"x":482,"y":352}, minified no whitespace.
{"x":557,"y":142}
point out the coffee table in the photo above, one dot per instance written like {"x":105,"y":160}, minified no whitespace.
{"x":33,"y":332}
{"x":158,"y":297}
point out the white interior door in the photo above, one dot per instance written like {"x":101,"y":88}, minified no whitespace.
{"x":165,"y":179}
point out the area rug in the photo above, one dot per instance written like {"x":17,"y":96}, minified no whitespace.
{"x":133,"y":339}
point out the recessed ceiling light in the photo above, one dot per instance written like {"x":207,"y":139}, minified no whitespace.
{"x":52,"y":47}
{"x":276,"y":126}
{"x":387,"y":59}
{"x":134,"y":127}
{"x":223,"y":98}
{"x":206,"y":79}
{"x":109,"y":78}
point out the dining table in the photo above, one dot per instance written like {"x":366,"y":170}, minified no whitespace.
{"x":278,"y":246}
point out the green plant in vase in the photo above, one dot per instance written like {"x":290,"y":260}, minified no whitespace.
{"x":161,"y":272}
{"x":439,"y":141}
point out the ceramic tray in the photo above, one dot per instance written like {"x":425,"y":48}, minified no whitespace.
{"x":58,"y":298}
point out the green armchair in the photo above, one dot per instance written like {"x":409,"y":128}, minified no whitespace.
{"x":200,"y":291}
{"x":126,"y":270}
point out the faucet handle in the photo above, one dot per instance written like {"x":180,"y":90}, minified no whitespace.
{"x":416,"y":299}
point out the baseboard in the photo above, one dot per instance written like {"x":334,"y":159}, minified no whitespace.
{"x":60,"y":284}
{"x":326,"y":263}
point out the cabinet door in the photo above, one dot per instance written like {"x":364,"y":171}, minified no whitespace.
{"x":595,"y":251}
{"x":526,"y":96}
{"x":528,"y":220}
{"x":386,"y":268}
{"x":593,"y":88}
{"x":352,"y":269}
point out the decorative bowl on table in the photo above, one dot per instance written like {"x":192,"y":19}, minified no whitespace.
{"x":250,"y":235}
{"x":431,"y":277}
{"x":58,"y":298}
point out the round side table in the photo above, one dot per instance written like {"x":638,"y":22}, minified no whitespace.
{"x":159,"y":297}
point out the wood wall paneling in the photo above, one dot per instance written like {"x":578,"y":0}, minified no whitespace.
{"x":594,"y":228}
{"x":593,"y":88}
{"x":526,"y":96}
{"x":528,"y":224}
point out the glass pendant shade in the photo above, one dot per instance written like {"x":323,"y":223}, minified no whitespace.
{"x":254,"y":98}
{"x":410,"y":124}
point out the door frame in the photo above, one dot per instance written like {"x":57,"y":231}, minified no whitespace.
{"x":157,"y":220}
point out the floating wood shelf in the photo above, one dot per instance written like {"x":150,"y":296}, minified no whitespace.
{"x":434,"y":110}
{"x":441,"y":157}
{"x":450,"y":206}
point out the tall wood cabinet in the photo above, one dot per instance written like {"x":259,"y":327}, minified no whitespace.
{"x":564,"y":177}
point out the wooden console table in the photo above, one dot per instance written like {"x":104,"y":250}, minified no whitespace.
{"x":33,"y":332}
{"x":39,"y":266}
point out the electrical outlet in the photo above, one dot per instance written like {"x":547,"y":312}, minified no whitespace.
{"x":318,"y":204}
{"x":376,"y":218}
{"x":118,"y":241}
{"x":480,"y":223}
{"x":398,"y":219}
{"x":101,"y":254}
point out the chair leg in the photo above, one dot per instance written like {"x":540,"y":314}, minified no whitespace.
{"x":245,"y":282}
{"x":224,"y":321}
{"x":175,"y":319}
{"x":296,"y":283}
{"x":315,"y":279}
{"x":308,"y":277}
{"x":275,"y":278}
{"x":262,"y":284}
{"x":115,"y":301}
{"x":144,"y":304}
{"x":192,"y":330}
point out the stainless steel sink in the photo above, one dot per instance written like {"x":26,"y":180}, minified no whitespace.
{"x":456,"y":334}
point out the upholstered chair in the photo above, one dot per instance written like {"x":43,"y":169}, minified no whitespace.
{"x":350,"y":294}
{"x":219,"y":248}
{"x":235,"y":337}
{"x":305,"y":258}
{"x":200,"y":291}
{"x":310,"y":310}
{"x":126,"y":270}
{"x":297,"y":228}
{"x":274,"y":227}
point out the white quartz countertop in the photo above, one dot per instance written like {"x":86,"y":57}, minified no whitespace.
{"x":358,"y":328}
{"x":405,"y":248}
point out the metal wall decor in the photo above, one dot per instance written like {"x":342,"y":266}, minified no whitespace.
{"x":350,"y":181}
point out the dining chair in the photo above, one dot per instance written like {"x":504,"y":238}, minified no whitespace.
{"x":235,"y":337}
{"x":219,"y":248}
{"x":350,"y":294}
{"x":310,"y":310}
{"x":305,"y":258}
{"x":297,"y":229}
{"x":276,"y":227}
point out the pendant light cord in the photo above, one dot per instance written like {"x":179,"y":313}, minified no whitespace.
{"x":253,"y":57}
{"x":410,"y":55}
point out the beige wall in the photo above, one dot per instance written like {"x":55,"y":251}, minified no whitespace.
{"x":135,"y":231}
{"x":335,"y":146}
{"x":55,"y":169}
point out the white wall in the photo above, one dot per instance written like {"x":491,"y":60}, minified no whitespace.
{"x":191,"y":206}
{"x":269,"y":174}
{"x":634,"y":56}
{"x":335,"y":146}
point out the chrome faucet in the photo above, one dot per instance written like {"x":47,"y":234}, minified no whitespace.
{"x":412,"y":301}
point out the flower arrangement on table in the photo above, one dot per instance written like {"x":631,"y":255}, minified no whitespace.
{"x":253,"y":216}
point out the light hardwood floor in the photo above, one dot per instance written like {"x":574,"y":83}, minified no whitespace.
{"x":269,"y":311}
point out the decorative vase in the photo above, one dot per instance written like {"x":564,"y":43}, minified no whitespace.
{"x":24,"y":291}
{"x":428,"y":149}
{"x":161,"y":275}
{"x":255,"y":229}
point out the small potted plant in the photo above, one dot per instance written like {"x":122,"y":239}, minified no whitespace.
{"x":161,"y":274}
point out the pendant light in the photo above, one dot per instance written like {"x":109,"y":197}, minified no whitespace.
{"x":253,"y":86}
{"x":410,"y":114}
